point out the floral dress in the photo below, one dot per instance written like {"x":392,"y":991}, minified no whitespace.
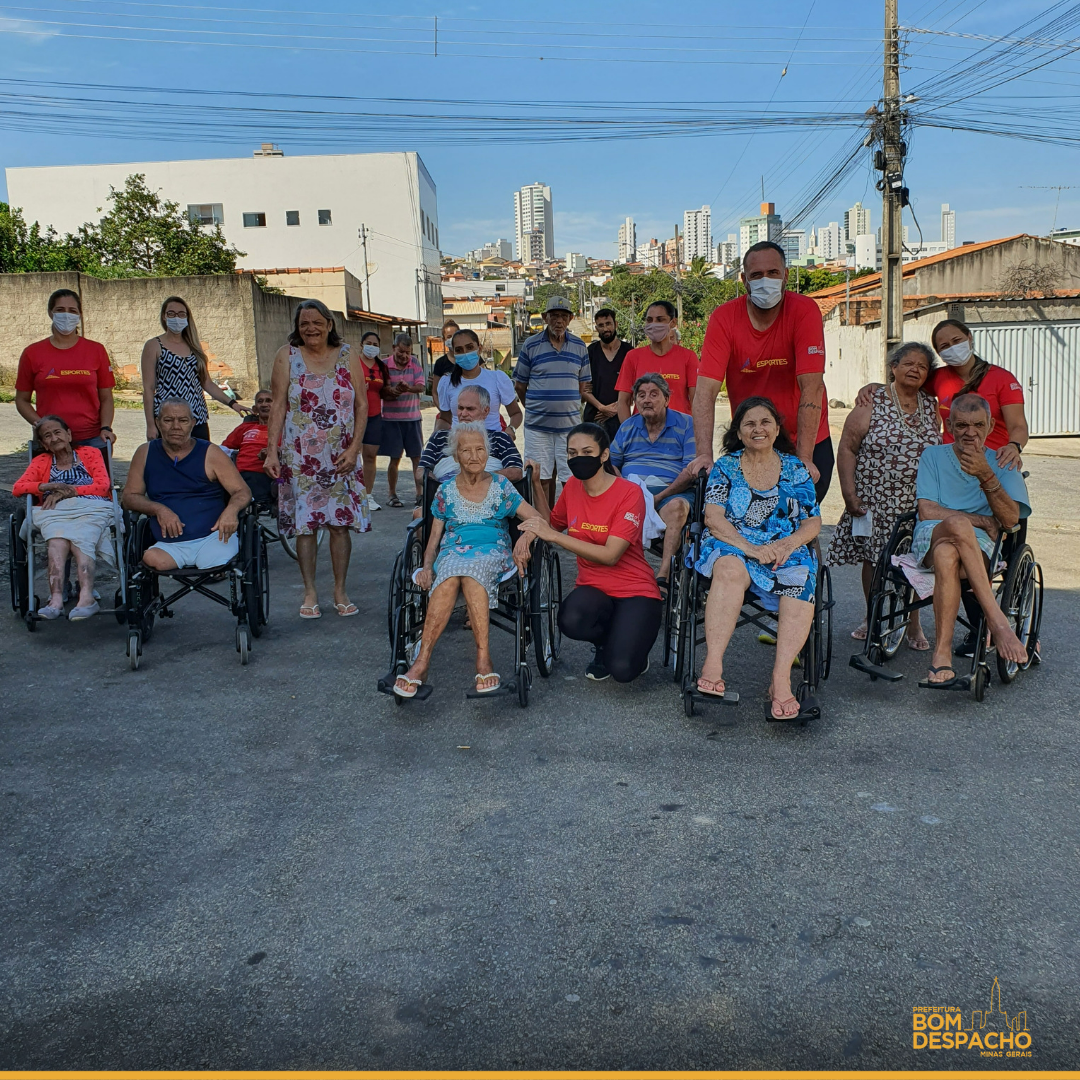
{"x":885,"y":471}
{"x":476,"y":541}
{"x":762,"y":517}
{"x":319,"y":427}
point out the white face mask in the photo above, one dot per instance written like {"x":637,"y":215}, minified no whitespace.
{"x":176,"y":326}
{"x":65,"y":321}
{"x":957,"y":355}
{"x":371,"y":351}
{"x":766,"y":292}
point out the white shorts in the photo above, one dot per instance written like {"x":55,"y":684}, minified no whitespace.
{"x":548,"y":450}
{"x":203,"y":553}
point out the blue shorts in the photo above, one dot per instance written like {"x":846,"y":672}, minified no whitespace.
{"x":401,"y":437}
{"x":373,"y":432}
{"x":203,"y":553}
{"x":924,"y":531}
{"x":687,"y":496}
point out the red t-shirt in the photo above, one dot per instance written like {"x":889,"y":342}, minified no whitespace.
{"x":679,"y":367}
{"x":374,"y":382}
{"x":999,"y":387}
{"x":65,"y":382}
{"x":767,"y":363}
{"x":620,"y":511}
{"x":249,"y":438}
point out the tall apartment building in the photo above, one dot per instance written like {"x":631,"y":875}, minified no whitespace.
{"x":576,"y":263}
{"x":697,"y":233}
{"x":766,"y":226}
{"x":651,"y":254}
{"x":948,"y":226}
{"x":856,"y":222}
{"x":627,"y":241}
{"x":830,"y":241}
{"x":727,"y":251}
{"x":532,"y":214}
{"x":674,"y":252}
{"x":793,"y":241}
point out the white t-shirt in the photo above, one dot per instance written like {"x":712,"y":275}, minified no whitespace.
{"x":496,"y":383}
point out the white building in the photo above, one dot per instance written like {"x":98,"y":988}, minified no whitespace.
{"x":793,"y":241}
{"x":532,"y":215}
{"x":627,"y":241}
{"x":948,"y":227}
{"x":856,"y":222}
{"x":697,"y":233}
{"x":497,"y":249}
{"x":576,"y":263}
{"x":766,"y":226}
{"x":651,"y":254}
{"x":282,"y":212}
{"x":727,"y":251}
{"x":867,"y":252}
{"x":830,"y":241}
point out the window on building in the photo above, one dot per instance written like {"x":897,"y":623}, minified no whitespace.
{"x":500,"y":288}
{"x":436,"y":237}
{"x":292,"y":217}
{"x":206,"y":213}
{"x":324,"y":217}
{"x":254,"y":221}
{"x":423,"y":222}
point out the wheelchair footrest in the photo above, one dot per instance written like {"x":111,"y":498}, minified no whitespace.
{"x":386,"y":686}
{"x":961,"y":682}
{"x":860,"y":663}
{"x":507,"y":688}
{"x":730,"y":698}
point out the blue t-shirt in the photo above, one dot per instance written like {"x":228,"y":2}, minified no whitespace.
{"x":553,"y":378}
{"x":634,"y":455}
{"x":941,"y":480}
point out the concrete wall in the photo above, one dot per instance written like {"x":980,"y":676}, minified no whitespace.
{"x":386,"y":192}
{"x":982,"y":271}
{"x":240,"y":326}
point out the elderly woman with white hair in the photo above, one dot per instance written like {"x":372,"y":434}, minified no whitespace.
{"x":469,"y":550}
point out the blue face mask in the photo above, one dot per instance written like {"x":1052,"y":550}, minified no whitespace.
{"x":467,"y":361}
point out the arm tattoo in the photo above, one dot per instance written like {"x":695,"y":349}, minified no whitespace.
{"x":810,"y":405}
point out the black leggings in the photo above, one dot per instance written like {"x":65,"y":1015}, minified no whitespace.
{"x":624,"y":627}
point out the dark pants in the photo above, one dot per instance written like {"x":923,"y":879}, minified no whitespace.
{"x":624,"y":627}
{"x":824,"y":460}
{"x":260,"y":485}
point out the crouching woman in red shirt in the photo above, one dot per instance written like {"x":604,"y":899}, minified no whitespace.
{"x":616,"y":604}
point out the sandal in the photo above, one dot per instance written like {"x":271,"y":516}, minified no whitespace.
{"x":484,"y":678}
{"x":711,"y":687}
{"x":312,"y":610}
{"x":944,"y":684}
{"x":919,"y":645}
{"x":345,"y":610}
{"x":406,"y":687}
{"x":860,"y":632}
{"x":785,"y":707}
{"x":394,"y":501}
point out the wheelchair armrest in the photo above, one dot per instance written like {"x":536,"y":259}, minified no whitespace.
{"x":1013,"y":529}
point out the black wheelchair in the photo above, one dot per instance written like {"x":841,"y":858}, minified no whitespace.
{"x":22,"y":565}
{"x":528,"y":608}
{"x":1018,"y":582}
{"x":246,"y":573}
{"x":684,"y":618}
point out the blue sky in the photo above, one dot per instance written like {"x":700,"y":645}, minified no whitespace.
{"x":597,"y":52}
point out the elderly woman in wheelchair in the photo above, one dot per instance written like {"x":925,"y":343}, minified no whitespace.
{"x":762,"y":516}
{"x":468,"y":551}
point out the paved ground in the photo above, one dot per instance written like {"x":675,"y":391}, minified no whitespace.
{"x":274,"y":866}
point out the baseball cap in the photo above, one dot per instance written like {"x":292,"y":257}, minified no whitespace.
{"x":558,"y":303}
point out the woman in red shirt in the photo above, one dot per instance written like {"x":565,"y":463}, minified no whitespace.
{"x":377,"y":379}
{"x":965,"y":373}
{"x":616,"y":604}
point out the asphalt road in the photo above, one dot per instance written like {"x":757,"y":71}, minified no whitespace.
{"x":209,"y":866}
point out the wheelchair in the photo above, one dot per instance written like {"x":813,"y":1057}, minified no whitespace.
{"x":246,"y":573}
{"x":684,"y":618}
{"x":22,"y":564}
{"x":1018,"y":583}
{"x":528,"y":608}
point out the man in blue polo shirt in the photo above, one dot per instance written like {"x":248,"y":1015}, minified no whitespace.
{"x":551,"y":376}
{"x":657,"y":444}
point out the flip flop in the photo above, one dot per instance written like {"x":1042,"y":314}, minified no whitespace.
{"x":488,"y":689}
{"x":783,"y":715}
{"x":312,"y":609}
{"x":715,"y":684}
{"x":345,"y":610}
{"x":859,"y":633}
{"x":922,"y":645}
{"x":410,"y":688}
{"x":945,"y":684}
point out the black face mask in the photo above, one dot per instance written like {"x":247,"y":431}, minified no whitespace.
{"x":608,"y":337}
{"x":585,"y":467}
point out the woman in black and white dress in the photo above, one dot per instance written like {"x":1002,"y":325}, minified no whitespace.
{"x":174,"y":366}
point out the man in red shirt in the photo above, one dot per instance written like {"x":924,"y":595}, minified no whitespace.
{"x":662,"y":355}
{"x":250,"y":440}
{"x":770,"y":343}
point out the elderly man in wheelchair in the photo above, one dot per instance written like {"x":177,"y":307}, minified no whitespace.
{"x":965,"y":501}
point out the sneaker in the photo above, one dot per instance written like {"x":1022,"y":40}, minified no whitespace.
{"x":596,"y":670}
{"x":372,"y":504}
{"x":967,"y":646}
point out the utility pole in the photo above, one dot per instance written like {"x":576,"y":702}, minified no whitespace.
{"x":678,"y":276}
{"x":890,"y":160}
{"x":367,"y":275}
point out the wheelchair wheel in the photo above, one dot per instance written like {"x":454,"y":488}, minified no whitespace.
{"x":134,"y":649}
{"x":1020,"y":599}
{"x":979,"y":682}
{"x":546,"y":597}
{"x":891,"y":595}
{"x":524,"y":682}
{"x":671,"y":614}
{"x":823,"y":624}
{"x":17,"y":565}
{"x":119,"y":611}
{"x":256,"y":581}
{"x":243,"y":643}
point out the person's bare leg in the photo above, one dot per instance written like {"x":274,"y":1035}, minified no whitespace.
{"x":860,"y":632}
{"x":340,"y":551}
{"x":730,"y":581}
{"x":85,"y":567}
{"x":793,"y":626}
{"x":961,"y":535}
{"x":58,"y":551}
{"x":415,"y":462}
{"x":476,"y":599}
{"x":307,"y":549}
{"x":369,"y":453}
{"x":391,"y":476}
{"x":674,"y":516}
{"x":440,"y":605}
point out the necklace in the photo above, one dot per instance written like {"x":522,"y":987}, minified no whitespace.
{"x":912,"y":418}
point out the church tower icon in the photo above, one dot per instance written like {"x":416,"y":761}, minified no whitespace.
{"x":996,"y":1016}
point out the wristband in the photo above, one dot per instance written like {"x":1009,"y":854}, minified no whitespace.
{"x":105,"y":427}
{"x":1019,"y":448}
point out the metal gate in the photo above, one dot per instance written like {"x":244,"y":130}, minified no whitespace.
{"x":1045,"y":357}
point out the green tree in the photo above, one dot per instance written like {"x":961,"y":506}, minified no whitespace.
{"x":554,"y":288}
{"x":25,"y":249}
